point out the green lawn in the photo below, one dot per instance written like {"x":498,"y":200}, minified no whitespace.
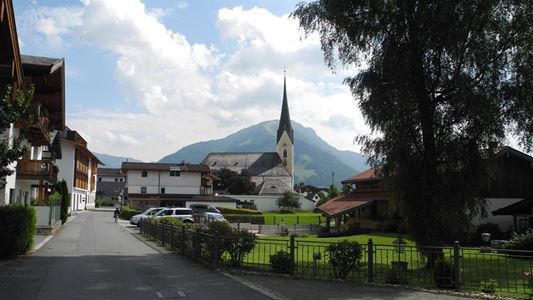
{"x":298,"y":218}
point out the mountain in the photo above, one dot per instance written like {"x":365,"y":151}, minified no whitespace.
{"x":111,"y":161}
{"x":315,"y":159}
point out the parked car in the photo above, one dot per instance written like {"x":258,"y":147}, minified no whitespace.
{"x":202,"y":208}
{"x":209,"y":217}
{"x":180,"y":213}
{"x":149,"y":212}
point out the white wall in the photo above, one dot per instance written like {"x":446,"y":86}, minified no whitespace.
{"x":504,"y":222}
{"x":187,"y":183}
{"x":268,"y":203}
{"x":214,"y":204}
{"x":10,"y":184}
{"x":66,"y":164}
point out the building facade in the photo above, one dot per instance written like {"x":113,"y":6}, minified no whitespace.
{"x":176,"y":185}
{"x":78,"y":167}
{"x":111,"y":185}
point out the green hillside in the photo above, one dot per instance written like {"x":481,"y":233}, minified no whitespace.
{"x":314,"y":158}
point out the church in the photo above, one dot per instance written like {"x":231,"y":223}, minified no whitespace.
{"x":272,"y":172}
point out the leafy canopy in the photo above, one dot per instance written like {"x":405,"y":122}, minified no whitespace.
{"x":288,"y":201}
{"x":234,"y":183}
{"x":439,"y":81}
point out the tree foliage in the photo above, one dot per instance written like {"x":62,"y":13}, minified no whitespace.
{"x":14,"y":107}
{"x":234,"y":183}
{"x":333,"y":192}
{"x":288,"y":201}
{"x":439,"y":81}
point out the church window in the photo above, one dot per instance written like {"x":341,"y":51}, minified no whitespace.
{"x":284,"y":153}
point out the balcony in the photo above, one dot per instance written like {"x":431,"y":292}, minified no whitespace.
{"x":36,"y":170}
{"x":38,"y":127}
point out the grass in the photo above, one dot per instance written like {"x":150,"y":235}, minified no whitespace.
{"x":298,"y":218}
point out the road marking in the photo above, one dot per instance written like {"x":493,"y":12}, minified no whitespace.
{"x":181,"y":293}
{"x":159,"y":295}
{"x":256,"y":287}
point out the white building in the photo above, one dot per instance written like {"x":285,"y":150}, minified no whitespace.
{"x":177,"y":185}
{"x":78,"y":167}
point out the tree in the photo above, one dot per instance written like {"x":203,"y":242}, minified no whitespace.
{"x":288,"y":201}
{"x":323,"y":199}
{"x":234,"y":183}
{"x":333,"y":192}
{"x":14,"y":107}
{"x":346,"y":188}
{"x":439,"y":82}
{"x":62,"y":188}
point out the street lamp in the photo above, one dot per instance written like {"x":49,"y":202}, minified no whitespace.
{"x":399,"y":247}
{"x":485,"y":236}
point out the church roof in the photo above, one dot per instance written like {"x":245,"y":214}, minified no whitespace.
{"x":285,"y":119}
{"x":273,"y":186}
{"x":255,"y":163}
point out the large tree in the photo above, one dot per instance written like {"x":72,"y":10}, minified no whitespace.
{"x":14,"y":107}
{"x":439,"y":82}
{"x":234,"y":183}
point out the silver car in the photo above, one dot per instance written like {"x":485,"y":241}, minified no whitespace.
{"x":179,"y":213}
{"x":149,"y":212}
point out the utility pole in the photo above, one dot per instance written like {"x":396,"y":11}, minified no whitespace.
{"x":332,"y":178}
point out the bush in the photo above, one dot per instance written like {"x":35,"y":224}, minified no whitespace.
{"x":242,"y":243}
{"x":62,"y":188}
{"x":489,"y":286}
{"x":344,"y":257}
{"x":170,"y":221}
{"x":523,"y":241}
{"x":219,"y":228}
{"x":253,"y":219}
{"x":395,"y":277}
{"x":443,"y":274}
{"x":281,"y":262}
{"x":493,"y":229}
{"x":17,"y":229}
{"x":238,"y":211}
{"x":126,"y":213}
{"x":104,"y":202}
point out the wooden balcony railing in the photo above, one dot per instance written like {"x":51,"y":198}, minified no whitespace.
{"x":36,"y":170}
{"x":38,"y":126}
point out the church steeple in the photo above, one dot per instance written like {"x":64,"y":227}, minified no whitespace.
{"x":285,"y":119}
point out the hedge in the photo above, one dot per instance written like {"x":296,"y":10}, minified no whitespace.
{"x":17,"y":229}
{"x":126,"y":213}
{"x":238,"y":211}
{"x":254,"y":219}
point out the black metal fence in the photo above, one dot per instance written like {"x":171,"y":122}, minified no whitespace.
{"x":459,"y":268}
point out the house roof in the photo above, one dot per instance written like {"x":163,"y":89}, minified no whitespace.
{"x":348,"y":202}
{"x":518,"y":208}
{"x":182,"y":167}
{"x":506,"y":151}
{"x":273,"y":186}
{"x":73,"y":137}
{"x":255,"y":163}
{"x":110,"y":172}
{"x":370,"y":174}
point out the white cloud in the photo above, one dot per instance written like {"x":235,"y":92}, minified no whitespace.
{"x":192,"y":92}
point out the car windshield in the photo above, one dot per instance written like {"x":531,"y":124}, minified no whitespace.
{"x":159,"y":213}
{"x":153,"y":211}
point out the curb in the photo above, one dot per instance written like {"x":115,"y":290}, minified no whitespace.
{"x":41,"y":244}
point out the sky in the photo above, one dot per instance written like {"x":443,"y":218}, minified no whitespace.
{"x":146,"y":78}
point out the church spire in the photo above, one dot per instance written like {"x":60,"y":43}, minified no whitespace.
{"x":285,"y":119}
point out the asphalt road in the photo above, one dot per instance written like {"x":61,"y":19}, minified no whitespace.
{"x":94,"y":258}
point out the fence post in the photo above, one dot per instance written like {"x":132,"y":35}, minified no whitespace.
{"x":457,"y":265}
{"x":163,"y":232}
{"x":298,"y":220}
{"x":291,"y":251}
{"x":216,"y":244}
{"x":370,"y":260}
{"x":238,"y":224}
{"x":259,"y":228}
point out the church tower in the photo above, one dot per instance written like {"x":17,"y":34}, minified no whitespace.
{"x":285,"y":141}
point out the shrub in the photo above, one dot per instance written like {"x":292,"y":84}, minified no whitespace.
{"x":493,"y":229}
{"x":443,"y":274}
{"x":62,"y":188}
{"x":242,"y":243}
{"x":170,"y":221}
{"x":343,"y":258}
{"x":219,"y":228}
{"x":489,"y":286}
{"x":281,"y":262}
{"x":126,"y":213}
{"x":523,"y":241}
{"x":238,"y":211}
{"x":253,"y":219}
{"x":395,"y":277}
{"x":17,"y":229}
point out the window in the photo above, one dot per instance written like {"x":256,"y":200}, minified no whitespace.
{"x":284,"y":153}
{"x":99,"y":178}
{"x":143,"y":190}
{"x":174,"y":173}
{"x":162,"y":190}
{"x":144,"y":174}
{"x":120,"y":179}
{"x":116,"y":179}
{"x":168,"y":212}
